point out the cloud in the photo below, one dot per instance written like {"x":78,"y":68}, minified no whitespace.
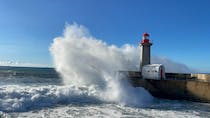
{"x":20,"y":64}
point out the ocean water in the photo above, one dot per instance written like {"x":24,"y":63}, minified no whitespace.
{"x":40,"y":93}
{"x":85,"y":83}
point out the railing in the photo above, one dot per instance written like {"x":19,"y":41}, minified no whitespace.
{"x":180,"y":76}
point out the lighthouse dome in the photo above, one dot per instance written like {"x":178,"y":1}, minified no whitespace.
{"x":146,"y":34}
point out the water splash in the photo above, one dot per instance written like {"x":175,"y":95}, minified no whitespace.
{"x":83,"y":60}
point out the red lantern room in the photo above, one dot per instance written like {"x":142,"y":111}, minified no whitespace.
{"x":145,"y":38}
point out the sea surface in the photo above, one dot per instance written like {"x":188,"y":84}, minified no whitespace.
{"x":40,"y":93}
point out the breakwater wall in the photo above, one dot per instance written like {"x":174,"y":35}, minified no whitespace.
{"x":176,"y":89}
{"x":176,"y":86}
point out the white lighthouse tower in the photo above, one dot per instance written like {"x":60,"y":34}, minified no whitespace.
{"x":145,"y":50}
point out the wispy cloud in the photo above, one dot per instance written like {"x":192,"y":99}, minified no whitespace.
{"x":20,"y":64}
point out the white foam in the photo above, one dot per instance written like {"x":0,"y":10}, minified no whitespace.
{"x":109,"y":110}
{"x":24,"y":98}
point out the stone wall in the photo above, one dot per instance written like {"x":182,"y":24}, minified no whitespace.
{"x":176,"y":89}
{"x":202,"y":77}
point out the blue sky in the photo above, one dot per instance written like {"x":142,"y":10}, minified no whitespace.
{"x":180,"y":29}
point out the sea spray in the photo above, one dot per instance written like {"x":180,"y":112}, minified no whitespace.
{"x":121,"y":91}
{"x":83,"y":60}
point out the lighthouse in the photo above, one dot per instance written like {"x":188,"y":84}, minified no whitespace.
{"x":145,"y":50}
